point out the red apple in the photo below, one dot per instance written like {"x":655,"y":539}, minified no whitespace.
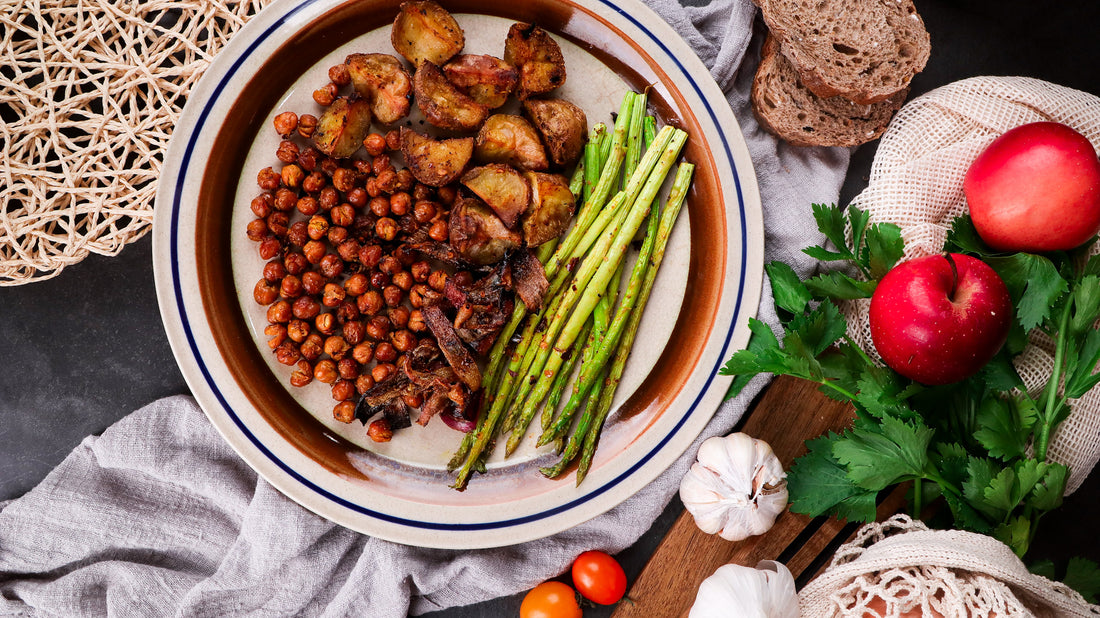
{"x":1036,"y":188}
{"x":939,"y":319}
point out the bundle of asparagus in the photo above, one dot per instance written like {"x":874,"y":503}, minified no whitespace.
{"x":584,"y":308}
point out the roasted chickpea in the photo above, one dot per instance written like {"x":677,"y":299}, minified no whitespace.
{"x":285,"y":200}
{"x":268,"y":179}
{"x":354,"y":331}
{"x":347,"y":310}
{"x":379,"y":430}
{"x":439,"y":231}
{"x":325,"y":95}
{"x":336,"y":347}
{"x":387,"y":180}
{"x":262,"y":205}
{"x":312,"y":282}
{"x":336,"y":235}
{"x":292,"y":175}
{"x":344,"y":179}
{"x":290,"y":287}
{"x":378,"y":327}
{"x":277,"y":223}
{"x":277,"y":334}
{"x":274,"y":271}
{"x":375,"y":143}
{"x":308,"y":159}
{"x":314,"y":251}
{"x":332,"y":266}
{"x":380,"y":206}
{"x":413,"y":401}
{"x":403,"y":340}
{"x":386,"y":229}
{"x":381,"y":371}
{"x":325,"y":323}
{"x":329,"y":166}
{"x":370,"y":255}
{"x":348,"y":368}
{"x":447,"y":194}
{"x":405,"y":180}
{"x":384,"y":352}
{"x":356,"y":284}
{"x":358,"y":197}
{"x":286,"y":123}
{"x":298,"y":234}
{"x":344,"y":411}
{"x":313,"y":183}
{"x":306,"y":308}
{"x":399,"y":316}
{"x":339,"y":74}
{"x":288,"y":353}
{"x":343,"y":390}
{"x":270,"y":247}
{"x":370,"y":302}
{"x":399,"y":203}
{"x":416,"y":321}
{"x":317,"y":227}
{"x":328,"y":199}
{"x":333,"y":295}
{"x":301,"y":376}
{"x":298,"y":330}
{"x":256,"y":230}
{"x":372,"y":187}
{"x":379,"y":279}
{"x":393,"y":140}
{"x":295,"y":263}
{"x":437,"y":280}
{"x":403,"y":280}
{"x":389,"y":265}
{"x":311,"y":347}
{"x":364,"y":383}
{"x":392,"y":295}
{"x":363,"y":352}
{"x":326,"y":371}
{"x":307,"y":124}
{"x":424,"y":211}
{"x":279,"y":312}
{"x":308,"y":205}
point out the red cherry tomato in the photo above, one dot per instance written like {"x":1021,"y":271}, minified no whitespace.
{"x":550,"y":600}
{"x":599,"y":578}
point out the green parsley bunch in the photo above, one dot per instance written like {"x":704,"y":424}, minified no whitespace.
{"x":980,"y":445}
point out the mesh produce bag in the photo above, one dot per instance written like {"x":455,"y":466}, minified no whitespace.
{"x":916,"y":182}
{"x":89,"y":94}
{"x":900,"y":566}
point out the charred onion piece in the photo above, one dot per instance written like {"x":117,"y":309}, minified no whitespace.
{"x":505,"y":138}
{"x":436,"y":403}
{"x":444,"y":105}
{"x":425,"y":31}
{"x":342,"y":127}
{"x":500,"y":186}
{"x":537,"y":56}
{"x":453,"y":349}
{"x":383,"y":82}
{"x":528,"y":278}
{"x":487,"y":79}
{"x":478,"y":235}
{"x":435,"y":162}
{"x":562,"y":125}
{"x":551,"y":208}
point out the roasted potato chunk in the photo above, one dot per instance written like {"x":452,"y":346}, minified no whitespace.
{"x":501,"y":187}
{"x":444,"y":105}
{"x":538,"y":58}
{"x":550,"y":210}
{"x":510,"y":139}
{"x":435,"y":162}
{"x":478,"y":234}
{"x":487,"y":79}
{"x":383,"y":82}
{"x":342,"y":127}
{"x":423,"y":30}
{"x":562,"y":125}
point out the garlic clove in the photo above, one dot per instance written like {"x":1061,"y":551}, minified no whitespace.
{"x":768,"y":591}
{"x":736,"y":488}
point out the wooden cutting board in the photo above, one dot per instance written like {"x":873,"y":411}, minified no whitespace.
{"x":789,"y":412}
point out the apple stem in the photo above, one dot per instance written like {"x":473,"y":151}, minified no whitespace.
{"x":954,"y":276}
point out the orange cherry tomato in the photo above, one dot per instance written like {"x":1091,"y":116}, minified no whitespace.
{"x":599,"y":578}
{"x":550,"y":600}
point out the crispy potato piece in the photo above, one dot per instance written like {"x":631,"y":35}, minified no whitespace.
{"x":537,"y":56}
{"x":487,"y":79}
{"x":435,"y":162}
{"x":423,"y":30}
{"x":342,"y":127}
{"x":551,"y":208}
{"x":500,"y":186}
{"x":562,"y":125}
{"x":478,"y":234}
{"x":505,"y":138}
{"x":444,"y":105}
{"x":383,"y":82}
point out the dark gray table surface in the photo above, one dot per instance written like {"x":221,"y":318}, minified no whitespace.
{"x":87,"y":347}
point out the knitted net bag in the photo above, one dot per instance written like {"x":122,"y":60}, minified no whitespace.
{"x":916,"y":182}
{"x":899,"y":566}
{"x":89,"y":94}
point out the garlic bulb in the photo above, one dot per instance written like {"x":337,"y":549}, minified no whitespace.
{"x":736,"y":488}
{"x":768,"y":591}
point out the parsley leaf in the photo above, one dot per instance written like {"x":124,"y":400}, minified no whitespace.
{"x":1033,"y":283}
{"x":878,"y":460}
{"x":1086,"y":304}
{"x":818,"y":484}
{"x":884,"y":248}
{"x":839,"y":286}
{"x":1080,"y":378}
{"x":963,"y":238}
{"x":789,"y":292}
{"x":1005,"y":425}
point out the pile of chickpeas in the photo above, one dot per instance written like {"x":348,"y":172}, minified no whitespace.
{"x":343,"y":290}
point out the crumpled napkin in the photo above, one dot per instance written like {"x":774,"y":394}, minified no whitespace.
{"x":159,"y":517}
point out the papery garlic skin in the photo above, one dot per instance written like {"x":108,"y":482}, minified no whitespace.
{"x":768,"y":591}
{"x":736,"y":488}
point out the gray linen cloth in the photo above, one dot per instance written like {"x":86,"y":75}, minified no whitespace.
{"x":159,"y":517}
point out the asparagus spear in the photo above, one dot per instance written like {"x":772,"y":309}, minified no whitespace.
{"x":672,"y":210}
{"x":593,"y":162}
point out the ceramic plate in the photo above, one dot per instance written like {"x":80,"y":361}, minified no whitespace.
{"x":205,"y":270}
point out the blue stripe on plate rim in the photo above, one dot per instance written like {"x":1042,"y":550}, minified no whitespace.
{"x":500,"y":524}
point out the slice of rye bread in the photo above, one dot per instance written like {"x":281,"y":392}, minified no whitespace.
{"x":792,"y":112}
{"x":865,"y":50}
